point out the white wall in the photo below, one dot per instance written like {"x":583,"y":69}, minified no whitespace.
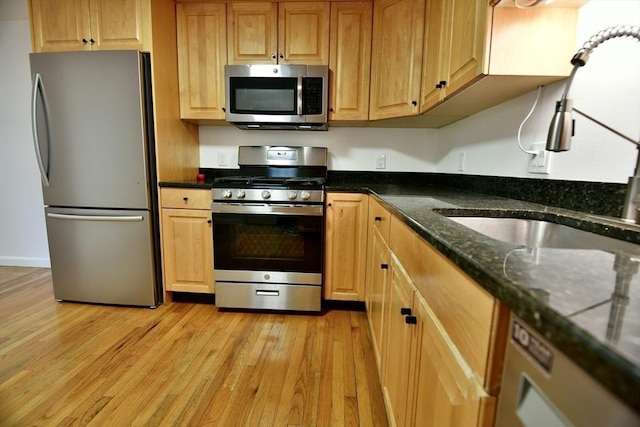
{"x":23,"y":238}
{"x":608,"y":88}
{"x":349,"y":148}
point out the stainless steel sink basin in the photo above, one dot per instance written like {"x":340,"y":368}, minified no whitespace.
{"x":542,"y":234}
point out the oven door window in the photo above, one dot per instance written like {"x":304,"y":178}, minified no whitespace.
{"x":289,"y":243}
{"x":263,"y":95}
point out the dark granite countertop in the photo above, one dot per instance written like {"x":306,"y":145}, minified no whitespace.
{"x":567,"y":295}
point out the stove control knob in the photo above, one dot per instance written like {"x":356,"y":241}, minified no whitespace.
{"x":292,"y":195}
{"x":226,"y":194}
{"x":240,"y":194}
{"x":266,"y":194}
{"x":305,"y":195}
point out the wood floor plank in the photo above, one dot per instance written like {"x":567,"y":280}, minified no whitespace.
{"x":182,"y":364}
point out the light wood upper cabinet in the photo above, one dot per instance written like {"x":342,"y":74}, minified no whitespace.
{"x":64,"y":25}
{"x":350,"y":60}
{"x":202,"y":46}
{"x":345,"y":246}
{"x":468,"y":27}
{"x":252,"y":33}
{"x":187,"y":240}
{"x":454,"y":47}
{"x":278,"y":33}
{"x":477,"y":56}
{"x":398,"y":33}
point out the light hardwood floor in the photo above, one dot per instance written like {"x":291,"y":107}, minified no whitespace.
{"x":180,"y":364}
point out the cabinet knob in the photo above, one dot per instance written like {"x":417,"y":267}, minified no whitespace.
{"x":411,"y":320}
{"x":378,"y":218}
{"x":384,"y":266}
{"x":224,"y":110}
{"x":331,"y":109}
{"x":209,"y":222}
{"x":442,"y":84}
{"x":405,"y":311}
{"x":273,"y":56}
{"x":186,"y":199}
{"x":281,"y":56}
{"x":414,"y":103}
{"x":85,"y":41}
{"x":92,"y":41}
{"x":328,"y":205}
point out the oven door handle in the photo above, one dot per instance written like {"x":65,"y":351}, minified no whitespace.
{"x":261,"y":209}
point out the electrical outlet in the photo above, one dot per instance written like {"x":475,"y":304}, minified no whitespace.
{"x":381,"y":161}
{"x":223,"y":158}
{"x":461,"y":161}
{"x":540,"y":162}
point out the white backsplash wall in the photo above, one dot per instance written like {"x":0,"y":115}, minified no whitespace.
{"x":406,"y":150}
{"x":607,"y":88}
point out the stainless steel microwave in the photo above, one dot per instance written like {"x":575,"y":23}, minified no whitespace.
{"x":277,"y":96}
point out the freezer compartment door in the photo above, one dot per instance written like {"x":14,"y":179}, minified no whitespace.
{"x":102,"y":256}
{"x":90,"y":129}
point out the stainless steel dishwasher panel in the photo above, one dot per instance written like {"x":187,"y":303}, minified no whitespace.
{"x":541,"y":387}
{"x":102,"y":256}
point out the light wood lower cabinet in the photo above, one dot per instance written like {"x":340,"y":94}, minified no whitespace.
{"x":445,"y":392}
{"x":187,"y":240}
{"x":397,"y":357}
{"x":345,"y":246}
{"x":439,"y":335}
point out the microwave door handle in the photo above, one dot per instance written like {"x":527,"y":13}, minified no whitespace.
{"x":299,"y":95}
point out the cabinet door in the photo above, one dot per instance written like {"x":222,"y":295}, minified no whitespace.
{"x":345,"y":246}
{"x":396,"y":58}
{"x":253,"y":33}
{"x":468,"y":29}
{"x":377,"y":282}
{"x":123,"y":24}
{"x":303,"y":33}
{"x":350,"y":60}
{"x":435,"y":62}
{"x":60,"y":25}
{"x":187,"y":246}
{"x":446,"y":392}
{"x":202,"y":55}
{"x":397,"y":354}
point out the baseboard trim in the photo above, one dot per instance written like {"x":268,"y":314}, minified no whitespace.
{"x":24,"y":262}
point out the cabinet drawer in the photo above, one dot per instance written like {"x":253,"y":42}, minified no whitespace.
{"x":464,"y":309}
{"x":185,"y":198}
{"x":380,"y":218}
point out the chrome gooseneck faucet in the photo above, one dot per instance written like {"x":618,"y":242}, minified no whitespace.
{"x":561,"y":128}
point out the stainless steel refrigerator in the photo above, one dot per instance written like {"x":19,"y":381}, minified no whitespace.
{"x":93,"y":134}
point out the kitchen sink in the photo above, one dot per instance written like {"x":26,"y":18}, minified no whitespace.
{"x":542,"y":234}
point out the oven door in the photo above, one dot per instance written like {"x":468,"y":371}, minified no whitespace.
{"x":268,"y":256}
{"x":282,"y":241}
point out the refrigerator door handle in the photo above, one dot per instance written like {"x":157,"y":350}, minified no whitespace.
{"x":124,"y":218}
{"x":38,"y":87}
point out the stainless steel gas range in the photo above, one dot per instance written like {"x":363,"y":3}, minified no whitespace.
{"x":268,"y":229}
